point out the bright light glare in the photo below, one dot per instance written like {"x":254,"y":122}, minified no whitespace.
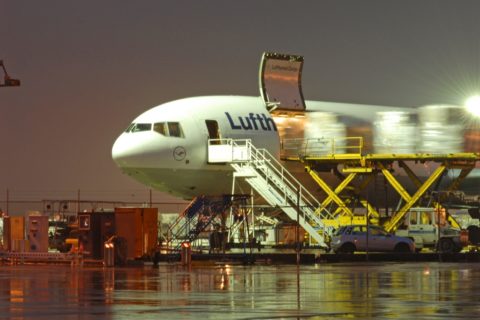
{"x":473,"y":105}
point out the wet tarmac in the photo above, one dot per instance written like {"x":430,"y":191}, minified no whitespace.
{"x":426,"y":290}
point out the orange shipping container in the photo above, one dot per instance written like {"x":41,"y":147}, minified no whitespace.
{"x":13,"y":229}
{"x":138,"y":226}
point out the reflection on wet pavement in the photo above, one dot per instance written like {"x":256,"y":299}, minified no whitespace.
{"x":368,"y":290}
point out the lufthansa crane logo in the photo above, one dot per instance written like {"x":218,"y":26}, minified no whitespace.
{"x":179,"y":153}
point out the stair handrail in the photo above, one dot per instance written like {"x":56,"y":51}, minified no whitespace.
{"x":182,"y":215}
{"x":262,"y":154}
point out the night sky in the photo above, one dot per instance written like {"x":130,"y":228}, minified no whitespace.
{"x":89,"y":67}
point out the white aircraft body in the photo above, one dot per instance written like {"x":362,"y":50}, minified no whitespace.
{"x":166,"y":147}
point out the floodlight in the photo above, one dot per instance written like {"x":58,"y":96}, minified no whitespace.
{"x":473,"y":105}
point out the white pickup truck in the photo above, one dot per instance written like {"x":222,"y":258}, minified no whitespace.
{"x":429,"y":228}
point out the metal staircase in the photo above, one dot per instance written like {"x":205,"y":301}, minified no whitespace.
{"x":274,"y":183}
{"x":201,"y":213}
{"x":196,"y":218}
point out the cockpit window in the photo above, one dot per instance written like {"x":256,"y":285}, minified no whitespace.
{"x":160,"y":127}
{"x":174,"y":129}
{"x":130,"y":127}
{"x":169,"y":129}
{"x":137,"y":127}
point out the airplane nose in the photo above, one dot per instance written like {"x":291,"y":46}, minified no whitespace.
{"x":138,"y":150}
{"x":125,"y":151}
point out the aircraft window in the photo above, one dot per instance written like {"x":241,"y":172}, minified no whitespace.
{"x":174,"y":129}
{"x":161,"y":128}
{"x":130,"y":127}
{"x":137,"y":127}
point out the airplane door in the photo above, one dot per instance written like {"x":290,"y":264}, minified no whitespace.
{"x":213,"y":130}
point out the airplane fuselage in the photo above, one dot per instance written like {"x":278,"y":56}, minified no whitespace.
{"x":166,"y":147}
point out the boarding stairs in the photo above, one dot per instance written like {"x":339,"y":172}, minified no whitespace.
{"x":196,"y":218}
{"x":274,"y":183}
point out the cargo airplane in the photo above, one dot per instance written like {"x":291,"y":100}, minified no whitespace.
{"x":166,"y":147}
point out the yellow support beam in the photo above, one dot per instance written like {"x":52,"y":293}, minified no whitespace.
{"x":344,"y":207}
{"x":394,"y":182}
{"x":357,"y":170}
{"x":339,"y":188}
{"x":339,"y":210}
{"x":328,"y":190}
{"x":371,"y":210}
{"x":393,"y":222}
{"x":362,"y":159}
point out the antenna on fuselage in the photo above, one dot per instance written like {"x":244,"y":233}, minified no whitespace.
{"x":280,"y":80}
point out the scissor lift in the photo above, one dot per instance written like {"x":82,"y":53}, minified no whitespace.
{"x":350,"y":165}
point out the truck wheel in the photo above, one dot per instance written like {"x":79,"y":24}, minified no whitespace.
{"x":347,"y":248}
{"x":402,"y":247}
{"x":474,"y":234}
{"x":446,"y":246}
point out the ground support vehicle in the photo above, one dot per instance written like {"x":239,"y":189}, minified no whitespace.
{"x":429,"y":228}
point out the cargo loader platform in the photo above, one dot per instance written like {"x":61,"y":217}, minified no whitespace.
{"x":349,"y":164}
